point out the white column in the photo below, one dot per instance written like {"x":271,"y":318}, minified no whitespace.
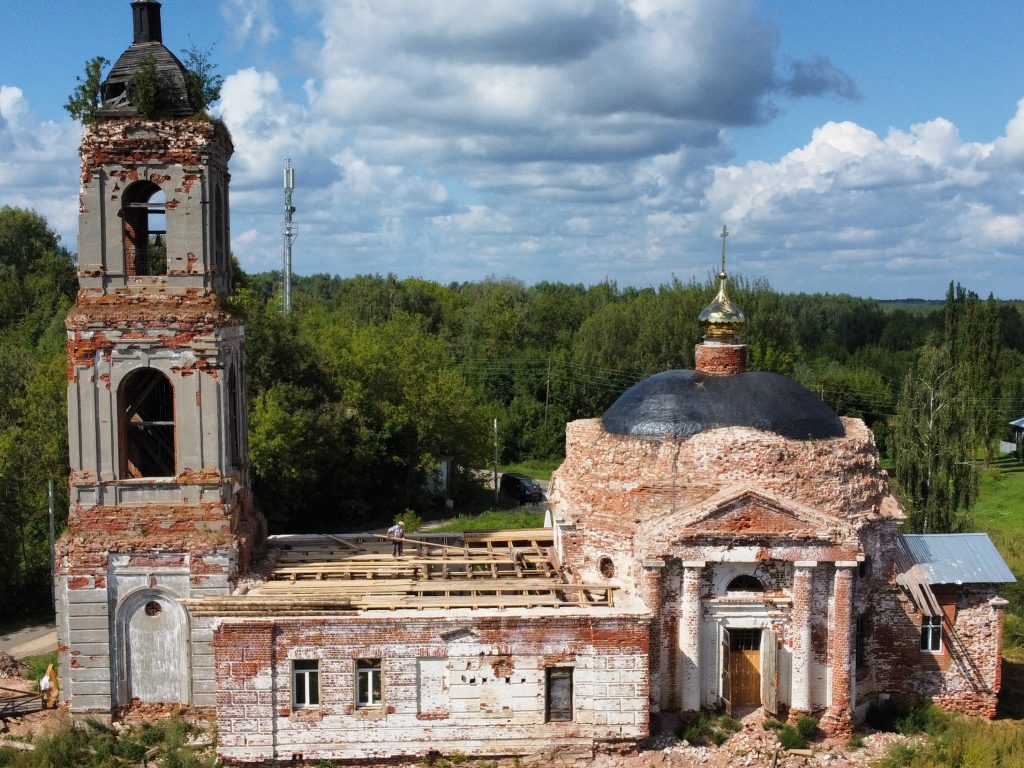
{"x":689,"y":635}
{"x":803,"y":656}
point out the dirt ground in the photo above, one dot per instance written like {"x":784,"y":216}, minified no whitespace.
{"x":29,"y":725}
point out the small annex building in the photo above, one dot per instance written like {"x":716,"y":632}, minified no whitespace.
{"x":720,"y":538}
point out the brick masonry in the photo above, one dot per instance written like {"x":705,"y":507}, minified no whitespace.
{"x":720,"y":359}
{"x":740,"y":501}
{"x":484,"y":694}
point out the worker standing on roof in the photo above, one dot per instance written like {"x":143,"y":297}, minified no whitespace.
{"x":396,"y":533}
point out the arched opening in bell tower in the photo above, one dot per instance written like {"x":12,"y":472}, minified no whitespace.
{"x":144,"y":220}
{"x":146,"y":399}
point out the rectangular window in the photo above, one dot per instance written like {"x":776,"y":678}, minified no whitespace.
{"x":931,"y":633}
{"x":862,"y":632}
{"x":305,"y":683}
{"x":368,"y":683}
{"x":558,"y":695}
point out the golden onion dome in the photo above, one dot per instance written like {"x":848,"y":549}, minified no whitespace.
{"x":721,"y":320}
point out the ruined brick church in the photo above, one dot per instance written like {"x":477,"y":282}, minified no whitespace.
{"x":721,"y":538}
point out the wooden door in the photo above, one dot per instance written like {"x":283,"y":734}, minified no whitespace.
{"x":726,"y":673}
{"x":745,"y":671}
{"x":745,"y":667}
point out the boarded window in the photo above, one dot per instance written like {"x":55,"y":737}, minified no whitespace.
{"x":558,"y":695}
{"x":147,"y":425}
{"x":433,"y":688}
{"x":305,"y":683}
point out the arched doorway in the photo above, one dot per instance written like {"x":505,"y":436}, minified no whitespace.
{"x":154,"y":660}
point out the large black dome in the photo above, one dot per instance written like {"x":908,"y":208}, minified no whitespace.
{"x":683,"y":403}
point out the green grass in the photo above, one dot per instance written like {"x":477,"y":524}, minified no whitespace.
{"x":37,"y":664}
{"x":955,"y":740}
{"x":93,"y":744}
{"x":495,"y":519}
{"x":539,"y":469}
{"x":709,"y":728}
{"x":1000,"y":513}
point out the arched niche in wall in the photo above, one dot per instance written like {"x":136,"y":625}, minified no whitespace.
{"x":152,"y":635}
{"x":144,"y":228}
{"x":147,"y":426}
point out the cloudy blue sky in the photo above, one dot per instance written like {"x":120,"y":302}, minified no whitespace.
{"x":864,"y":147}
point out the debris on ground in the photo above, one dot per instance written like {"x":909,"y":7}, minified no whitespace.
{"x":11,"y":667}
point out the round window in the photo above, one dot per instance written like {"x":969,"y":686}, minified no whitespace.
{"x":153,"y":608}
{"x":606,"y":567}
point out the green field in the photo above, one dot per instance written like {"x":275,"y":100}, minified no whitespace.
{"x":1000,"y":513}
{"x":539,"y":469}
{"x":520,"y":517}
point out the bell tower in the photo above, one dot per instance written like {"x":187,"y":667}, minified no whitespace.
{"x":160,"y":503}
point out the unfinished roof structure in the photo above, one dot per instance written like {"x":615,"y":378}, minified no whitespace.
{"x":325,"y":574}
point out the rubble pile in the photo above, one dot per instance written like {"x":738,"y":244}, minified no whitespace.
{"x":11,"y":667}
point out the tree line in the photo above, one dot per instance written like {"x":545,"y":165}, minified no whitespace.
{"x":372,"y":381}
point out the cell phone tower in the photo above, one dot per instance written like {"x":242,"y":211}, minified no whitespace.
{"x":290,"y":230}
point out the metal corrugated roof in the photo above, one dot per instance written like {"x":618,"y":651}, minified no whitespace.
{"x":958,"y":558}
{"x":1017,"y":423}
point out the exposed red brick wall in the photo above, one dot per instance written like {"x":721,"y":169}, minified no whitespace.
{"x":497,"y":709}
{"x":721,"y":359}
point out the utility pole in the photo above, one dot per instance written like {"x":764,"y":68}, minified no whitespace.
{"x":495,"y":460}
{"x":289,"y":231}
{"x":53,"y":545}
{"x":547,"y":394}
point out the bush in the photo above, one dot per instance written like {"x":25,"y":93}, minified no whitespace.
{"x":898,"y":756}
{"x":807,"y":726}
{"x":729,"y":723}
{"x":413,"y":522}
{"x":709,"y":728}
{"x":790,"y":738}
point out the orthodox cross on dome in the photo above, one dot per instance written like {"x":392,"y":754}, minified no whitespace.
{"x":722,"y":319}
{"x":724,"y":236}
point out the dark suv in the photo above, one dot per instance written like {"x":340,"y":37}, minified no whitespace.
{"x":521,"y":488}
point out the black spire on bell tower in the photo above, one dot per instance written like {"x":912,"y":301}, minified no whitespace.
{"x":146,"y":21}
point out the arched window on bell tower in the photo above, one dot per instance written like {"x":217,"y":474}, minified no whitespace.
{"x":144,"y":221}
{"x":219,"y":238}
{"x":147,"y":429}
{"x":234,"y":430}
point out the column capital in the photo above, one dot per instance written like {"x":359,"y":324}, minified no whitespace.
{"x":651,"y":562}
{"x":846,"y":563}
{"x":694,"y":563}
{"x":805,"y":563}
{"x":999,"y":602}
